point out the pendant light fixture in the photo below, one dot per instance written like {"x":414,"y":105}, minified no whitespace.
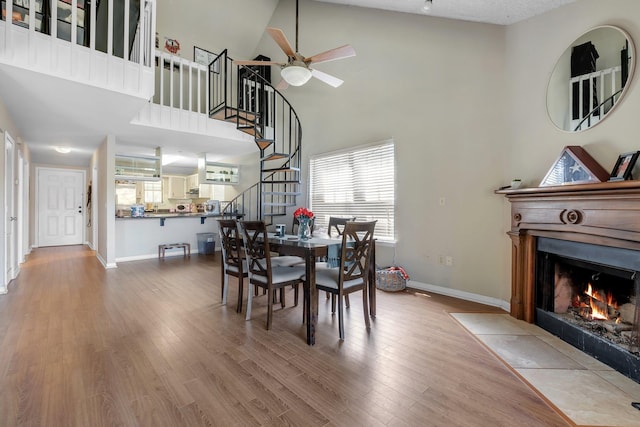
{"x":426,"y":7}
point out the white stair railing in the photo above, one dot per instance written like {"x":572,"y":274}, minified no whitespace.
{"x":50,"y":36}
{"x":593,"y":90}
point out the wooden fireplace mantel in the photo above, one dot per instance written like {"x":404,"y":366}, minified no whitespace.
{"x":606,"y":214}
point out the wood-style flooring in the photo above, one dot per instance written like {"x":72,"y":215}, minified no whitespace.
{"x":149,"y":344}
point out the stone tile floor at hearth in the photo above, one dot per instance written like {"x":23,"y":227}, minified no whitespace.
{"x":586,"y":391}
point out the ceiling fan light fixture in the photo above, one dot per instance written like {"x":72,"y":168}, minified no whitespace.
{"x":296,"y":75}
{"x":426,"y":7}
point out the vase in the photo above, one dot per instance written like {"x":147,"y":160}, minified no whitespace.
{"x":304,"y":228}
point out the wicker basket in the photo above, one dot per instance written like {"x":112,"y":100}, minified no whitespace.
{"x":390,"y":280}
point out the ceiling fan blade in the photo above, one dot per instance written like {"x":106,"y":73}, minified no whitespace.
{"x":278,"y":36}
{"x":345,"y":51}
{"x":282,"y":85}
{"x":327,"y":78}
{"x":240,"y":62}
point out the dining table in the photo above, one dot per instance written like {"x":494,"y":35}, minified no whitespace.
{"x":310,"y":250}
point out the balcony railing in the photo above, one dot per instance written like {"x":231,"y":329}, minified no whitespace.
{"x":110,"y":45}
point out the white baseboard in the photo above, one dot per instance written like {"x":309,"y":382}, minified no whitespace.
{"x":104,"y":263}
{"x":467,"y":296}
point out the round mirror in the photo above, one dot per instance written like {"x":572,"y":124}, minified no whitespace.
{"x":590,"y":79}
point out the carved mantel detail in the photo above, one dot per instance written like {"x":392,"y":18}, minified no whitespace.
{"x":605,"y":214}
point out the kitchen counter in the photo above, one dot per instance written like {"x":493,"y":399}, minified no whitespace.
{"x":177,"y":215}
{"x":171,"y":215}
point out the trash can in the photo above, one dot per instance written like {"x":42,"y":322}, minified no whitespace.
{"x":206,"y":243}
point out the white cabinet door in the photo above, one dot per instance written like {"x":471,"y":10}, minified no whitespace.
{"x":192,"y":181}
{"x":140,"y":191}
{"x":177,"y":187}
{"x":206,"y":191}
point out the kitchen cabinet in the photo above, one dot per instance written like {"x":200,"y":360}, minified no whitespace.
{"x":175,"y":187}
{"x":206,"y":191}
{"x":140,"y":191}
{"x":219,"y":173}
{"x":138,"y":168}
{"x":192,"y":181}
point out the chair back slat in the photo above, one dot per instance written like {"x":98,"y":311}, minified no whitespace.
{"x":256,"y":245}
{"x":338,"y":224}
{"x":357,"y":243}
{"x":231,"y":243}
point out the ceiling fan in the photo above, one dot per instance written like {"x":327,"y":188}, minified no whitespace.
{"x":296,"y":71}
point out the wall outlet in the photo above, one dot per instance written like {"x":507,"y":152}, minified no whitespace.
{"x":441,"y":259}
{"x":449,"y":261}
{"x":443,"y":201}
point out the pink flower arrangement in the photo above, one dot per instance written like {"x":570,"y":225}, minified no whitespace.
{"x":303,"y":213}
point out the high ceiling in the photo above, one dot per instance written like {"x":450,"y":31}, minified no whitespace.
{"x":79,"y":125}
{"x":501,"y":12}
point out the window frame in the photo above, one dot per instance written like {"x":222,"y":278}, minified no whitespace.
{"x":379,"y":208}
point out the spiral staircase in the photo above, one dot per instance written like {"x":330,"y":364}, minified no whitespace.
{"x":240,"y":95}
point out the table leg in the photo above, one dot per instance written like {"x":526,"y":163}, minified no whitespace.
{"x":311,"y":297}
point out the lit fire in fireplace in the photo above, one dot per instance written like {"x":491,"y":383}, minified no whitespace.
{"x":600,"y":304}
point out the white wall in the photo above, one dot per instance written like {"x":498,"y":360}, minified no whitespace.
{"x":105,"y":162}
{"x":532,"y":51}
{"x":8,"y":125}
{"x":244,"y":19}
{"x":437,"y":87}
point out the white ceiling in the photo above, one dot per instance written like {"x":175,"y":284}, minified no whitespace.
{"x":83,"y":124}
{"x":502,"y":12}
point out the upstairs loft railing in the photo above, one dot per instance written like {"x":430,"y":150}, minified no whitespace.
{"x":591,"y":96}
{"x":95,"y":42}
{"x":180,"y":83}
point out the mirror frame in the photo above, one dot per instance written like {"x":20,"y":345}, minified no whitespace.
{"x":567,"y":53}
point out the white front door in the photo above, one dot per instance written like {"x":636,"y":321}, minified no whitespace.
{"x":10,"y":243}
{"x":60,"y":209}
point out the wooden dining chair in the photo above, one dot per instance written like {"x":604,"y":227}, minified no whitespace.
{"x":262,"y":272}
{"x":336,"y":224}
{"x":233,"y":258}
{"x":352,"y":275}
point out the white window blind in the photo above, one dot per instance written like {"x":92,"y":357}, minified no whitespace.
{"x":357,"y":183}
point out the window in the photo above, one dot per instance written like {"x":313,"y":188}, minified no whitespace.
{"x":153,"y":191}
{"x":359,"y":182}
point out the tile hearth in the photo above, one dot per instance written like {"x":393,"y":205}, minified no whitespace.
{"x":586,"y":391}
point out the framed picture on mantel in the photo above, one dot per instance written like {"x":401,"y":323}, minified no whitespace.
{"x":623,"y":167}
{"x":574,"y":166}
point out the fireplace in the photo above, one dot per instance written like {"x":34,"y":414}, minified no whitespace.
{"x":576,"y":266}
{"x":586,"y":295}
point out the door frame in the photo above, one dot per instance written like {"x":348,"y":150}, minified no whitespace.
{"x":36,"y":201}
{"x":10,"y":247}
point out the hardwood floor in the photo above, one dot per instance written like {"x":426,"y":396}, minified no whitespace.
{"x":149,"y":344}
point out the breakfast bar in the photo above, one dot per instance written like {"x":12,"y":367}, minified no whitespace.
{"x":139,"y":237}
